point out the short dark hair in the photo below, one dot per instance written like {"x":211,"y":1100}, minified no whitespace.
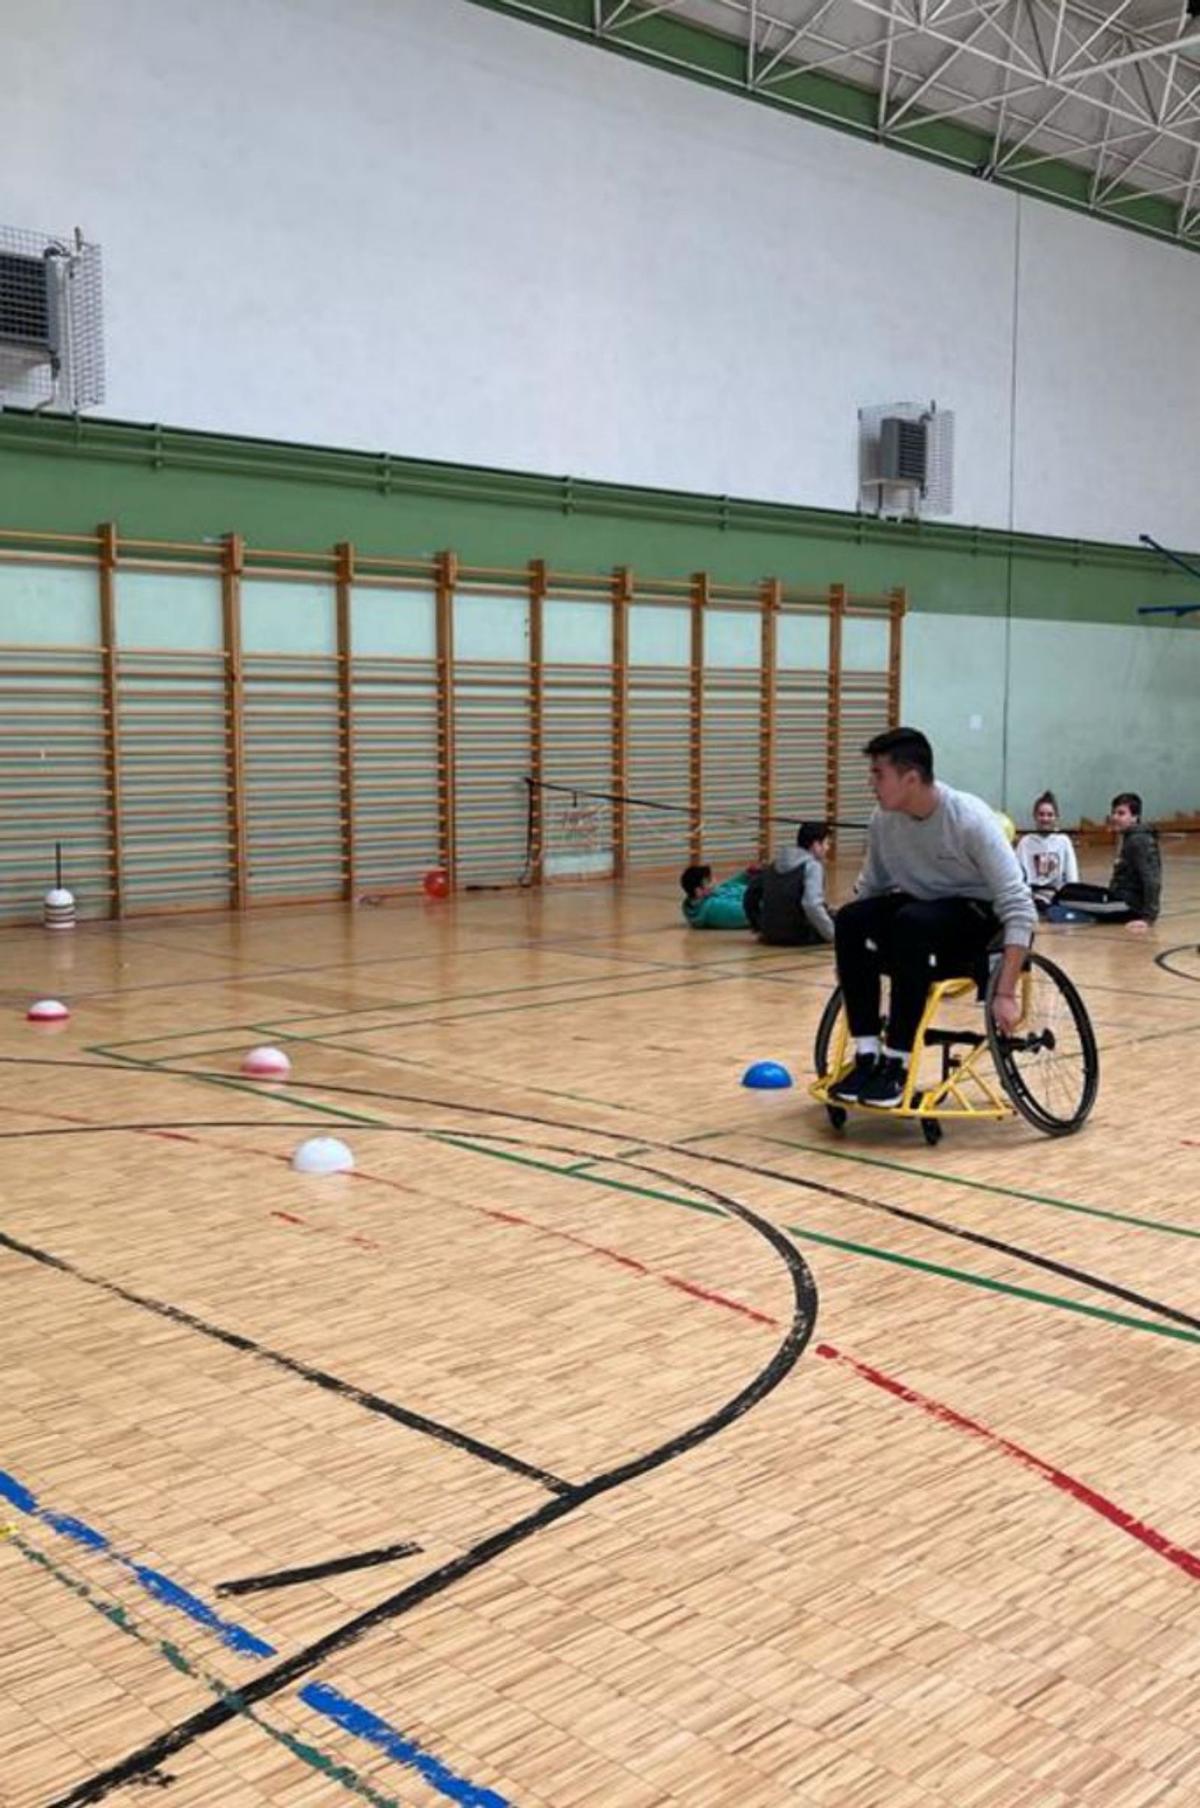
{"x":693,"y":877}
{"x":1130,"y":799}
{"x":906,"y":748}
{"x":1047,"y":797}
{"x":808,"y":832}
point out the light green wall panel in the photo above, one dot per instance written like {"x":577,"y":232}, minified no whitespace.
{"x":492,"y":627}
{"x":802,"y":642}
{"x":865,"y":644}
{"x":160,"y":609}
{"x":1095,"y":709}
{"x":49,"y":606}
{"x":952,"y":687}
{"x":732,"y":639}
{"x":394,"y":624}
{"x":286,"y":617}
{"x":660,"y":636}
{"x":577,"y":634}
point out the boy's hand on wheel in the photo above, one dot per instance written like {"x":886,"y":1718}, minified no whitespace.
{"x":1006,"y":1012}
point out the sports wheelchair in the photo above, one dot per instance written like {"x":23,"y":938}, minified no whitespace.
{"x":1048,"y":1070}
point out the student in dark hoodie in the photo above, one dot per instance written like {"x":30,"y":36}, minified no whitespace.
{"x":1133,"y":894}
{"x":786,"y":901}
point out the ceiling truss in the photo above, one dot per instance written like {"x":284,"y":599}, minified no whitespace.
{"x":1108,"y":88}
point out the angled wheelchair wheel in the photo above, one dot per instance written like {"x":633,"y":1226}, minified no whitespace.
{"x":824,"y":1037}
{"x":1051,"y":1068}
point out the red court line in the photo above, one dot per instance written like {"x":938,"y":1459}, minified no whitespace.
{"x":1145,"y":1534}
{"x":360,"y":1242}
{"x":615,"y":1255}
{"x":1154,"y":1540}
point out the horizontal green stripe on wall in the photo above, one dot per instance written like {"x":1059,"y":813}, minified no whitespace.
{"x":65,"y":476}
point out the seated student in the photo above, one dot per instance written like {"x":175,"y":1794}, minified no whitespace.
{"x":1132,"y":895}
{"x":940,"y":883}
{"x":1047,"y":857}
{"x":709,"y":906}
{"x":785,"y":902}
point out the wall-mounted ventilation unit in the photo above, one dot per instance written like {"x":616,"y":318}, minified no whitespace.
{"x":906,"y":460}
{"x":51,"y":337}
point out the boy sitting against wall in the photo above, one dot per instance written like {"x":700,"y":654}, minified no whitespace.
{"x":1133,"y":894}
{"x":785,"y":902}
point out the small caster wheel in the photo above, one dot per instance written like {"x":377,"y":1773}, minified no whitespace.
{"x":931,"y":1130}
{"x":837,"y":1116}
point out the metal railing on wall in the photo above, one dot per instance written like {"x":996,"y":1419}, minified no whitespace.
{"x":210,"y":724}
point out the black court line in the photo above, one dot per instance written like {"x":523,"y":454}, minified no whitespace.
{"x":370,"y":1402}
{"x":143,"y":1762}
{"x":521,"y":944}
{"x":1164,"y":960}
{"x":1013,"y":1250}
{"x":962,"y":1233}
{"x":316,"y":1572}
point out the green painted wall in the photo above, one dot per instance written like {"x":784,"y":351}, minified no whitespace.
{"x":1023,"y":656}
{"x":66,"y":476}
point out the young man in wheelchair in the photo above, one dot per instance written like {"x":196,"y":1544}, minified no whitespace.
{"x":940,"y":883}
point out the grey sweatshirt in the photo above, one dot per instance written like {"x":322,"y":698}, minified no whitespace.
{"x":794,"y":890}
{"x":958,"y":852}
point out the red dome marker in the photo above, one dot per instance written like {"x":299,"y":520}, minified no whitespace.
{"x":47,"y":1010}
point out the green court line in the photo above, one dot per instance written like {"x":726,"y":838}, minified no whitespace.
{"x":381,"y":1054}
{"x":255,"y":1089}
{"x":600,"y":1180}
{"x":178,"y":1659}
{"x":861,"y":1249}
{"x":994,"y":1286}
{"x":979,"y":1186}
{"x":714,"y":1211}
{"x":160,"y":1062}
{"x":416,"y":1004}
{"x":697,"y":977}
{"x":549,"y":1004}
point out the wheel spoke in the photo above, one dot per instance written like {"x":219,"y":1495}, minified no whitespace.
{"x":1050,"y":1069}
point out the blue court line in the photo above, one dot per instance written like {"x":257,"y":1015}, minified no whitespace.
{"x":354,"y":1718}
{"x":323,"y":1698}
{"x":237,"y":1638}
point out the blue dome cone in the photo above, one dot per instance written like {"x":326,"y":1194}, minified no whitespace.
{"x":766,"y":1076}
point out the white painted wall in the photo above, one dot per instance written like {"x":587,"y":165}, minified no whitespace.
{"x":418,"y":226}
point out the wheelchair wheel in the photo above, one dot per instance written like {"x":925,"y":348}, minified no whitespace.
{"x":1050,"y":1069}
{"x":825,"y":1029}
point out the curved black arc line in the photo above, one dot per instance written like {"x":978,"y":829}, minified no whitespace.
{"x":346,"y":1390}
{"x":1163,"y":960}
{"x":952,"y":1230}
{"x":804,"y":1313}
{"x":1013,"y":1250}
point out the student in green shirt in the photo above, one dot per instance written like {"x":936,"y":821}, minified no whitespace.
{"x":709,"y":906}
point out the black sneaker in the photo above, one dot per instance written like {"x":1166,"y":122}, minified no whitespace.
{"x":885,"y":1086}
{"x":850,"y":1086}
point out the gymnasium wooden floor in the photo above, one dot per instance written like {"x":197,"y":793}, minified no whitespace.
{"x":689,"y":1452}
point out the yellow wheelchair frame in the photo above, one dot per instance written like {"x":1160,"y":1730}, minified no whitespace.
{"x":966,"y":1086}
